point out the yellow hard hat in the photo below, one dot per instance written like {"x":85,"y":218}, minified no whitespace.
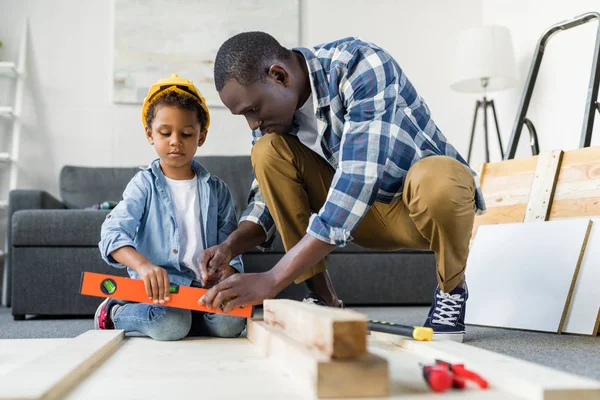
{"x":174,"y":83}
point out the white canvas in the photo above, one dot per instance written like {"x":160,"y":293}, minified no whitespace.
{"x":583,"y":311}
{"x":519,"y":275}
{"x":156,"y":38}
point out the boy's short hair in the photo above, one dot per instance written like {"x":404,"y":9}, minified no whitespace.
{"x":246,"y":58}
{"x":180,"y":100}
{"x":175,"y":92}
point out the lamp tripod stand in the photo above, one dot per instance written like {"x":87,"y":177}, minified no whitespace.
{"x":484,"y":104}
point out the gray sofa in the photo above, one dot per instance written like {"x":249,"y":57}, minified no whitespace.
{"x":52,"y":242}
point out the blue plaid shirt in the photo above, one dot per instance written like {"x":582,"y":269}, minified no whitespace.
{"x":374,"y":127}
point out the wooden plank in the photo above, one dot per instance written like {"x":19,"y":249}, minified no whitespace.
{"x":577,"y":191}
{"x":508,"y":273}
{"x":583,"y":316}
{"x":515,"y":166}
{"x":53,"y":374}
{"x":193,"y":368}
{"x":506,"y":187}
{"x":16,"y":352}
{"x":542,"y":188}
{"x":406,"y":376}
{"x":517,"y":377}
{"x":336,"y":333}
{"x":365,"y":376}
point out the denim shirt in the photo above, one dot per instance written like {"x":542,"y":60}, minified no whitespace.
{"x":145,"y":220}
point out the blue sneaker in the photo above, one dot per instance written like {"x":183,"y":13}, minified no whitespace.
{"x":447,"y":314}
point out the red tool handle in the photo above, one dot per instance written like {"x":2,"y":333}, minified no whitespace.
{"x":439,"y":379}
{"x":461,"y":371}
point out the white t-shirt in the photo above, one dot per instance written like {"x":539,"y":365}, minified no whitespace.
{"x":187,"y":214}
{"x":308,"y":132}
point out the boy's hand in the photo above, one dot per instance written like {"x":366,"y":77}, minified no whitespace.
{"x":156,"y":281}
{"x":215,"y":260}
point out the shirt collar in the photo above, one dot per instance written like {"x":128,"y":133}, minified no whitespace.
{"x":200,"y":171}
{"x":318,"y":78}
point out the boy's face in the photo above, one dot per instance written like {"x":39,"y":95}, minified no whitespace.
{"x":176,"y":134}
{"x":267,"y":105}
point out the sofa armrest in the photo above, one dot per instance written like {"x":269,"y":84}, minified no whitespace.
{"x":18,"y":200}
{"x":32,"y":199}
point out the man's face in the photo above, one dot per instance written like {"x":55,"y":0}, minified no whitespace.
{"x":267,"y":105}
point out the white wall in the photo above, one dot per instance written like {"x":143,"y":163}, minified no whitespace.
{"x":557,"y":105}
{"x":70,"y":119}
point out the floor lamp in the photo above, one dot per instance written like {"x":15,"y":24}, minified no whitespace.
{"x":484,"y":62}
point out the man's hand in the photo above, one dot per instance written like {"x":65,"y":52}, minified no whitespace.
{"x":240,"y":290}
{"x":156,"y":281}
{"x":214,"y":263}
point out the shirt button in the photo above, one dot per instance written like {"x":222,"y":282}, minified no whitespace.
{"x":174,"y":251}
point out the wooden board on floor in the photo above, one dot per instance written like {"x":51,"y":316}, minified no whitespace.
{"x":226,"y":368}
{"x":193,"y":368}
{"x":583,"y":316}
{"x":54,"y":373}
{"x":506,"y":188}
{"x":365,"y":376}
{"x":578,"y":186}
{"x":17,"y":352}
{"x":336,"y":333}
{"x":516,"y":377}
{"x":522,"y":275}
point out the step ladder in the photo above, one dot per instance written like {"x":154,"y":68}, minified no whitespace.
{"x":591,"y":105}
{"x":9,"y":157}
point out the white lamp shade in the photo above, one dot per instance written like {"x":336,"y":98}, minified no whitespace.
{"x":485,"y":52}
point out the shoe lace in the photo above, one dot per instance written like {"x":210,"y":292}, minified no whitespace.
{"x":448,"y":308}
{"x":310,"y":300}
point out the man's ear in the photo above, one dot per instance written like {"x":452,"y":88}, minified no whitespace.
{"x":278,"y":73}
{"x":202,"y":137}
{"x":149,"y":136}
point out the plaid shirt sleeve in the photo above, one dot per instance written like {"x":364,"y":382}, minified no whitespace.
{"x":257,"y":210}
{"x":370,"y":90}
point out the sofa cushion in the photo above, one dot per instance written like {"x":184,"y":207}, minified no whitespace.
{"x":57,"y":227}
{"x":277,"y":247}
{"x":236,"y":172}
{"x":82,"y":187}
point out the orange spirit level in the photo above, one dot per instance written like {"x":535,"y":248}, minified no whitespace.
{"x":101,"y":285}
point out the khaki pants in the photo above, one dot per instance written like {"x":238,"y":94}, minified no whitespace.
{"x":436,"y":210}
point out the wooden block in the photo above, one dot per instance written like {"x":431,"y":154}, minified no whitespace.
{"x":583,"y":315}
{"x":511,"y":375}
{"x":365,"y":376}
{"x":542,"y":188}
{"x":522,"y":275}
{"x":336,"y":333}
{"x":53,"y":374}
{"x":577,"y":191}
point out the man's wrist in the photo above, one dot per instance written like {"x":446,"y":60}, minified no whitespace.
{"x":276,"y":285}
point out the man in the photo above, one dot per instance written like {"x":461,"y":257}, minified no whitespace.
{"x":344,"y":149}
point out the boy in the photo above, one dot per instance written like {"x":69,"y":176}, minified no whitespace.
{"x":170,"y":213}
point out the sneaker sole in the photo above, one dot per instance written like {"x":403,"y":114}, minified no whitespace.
{"x":450,"y":337}
{"x":97,"y":313}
